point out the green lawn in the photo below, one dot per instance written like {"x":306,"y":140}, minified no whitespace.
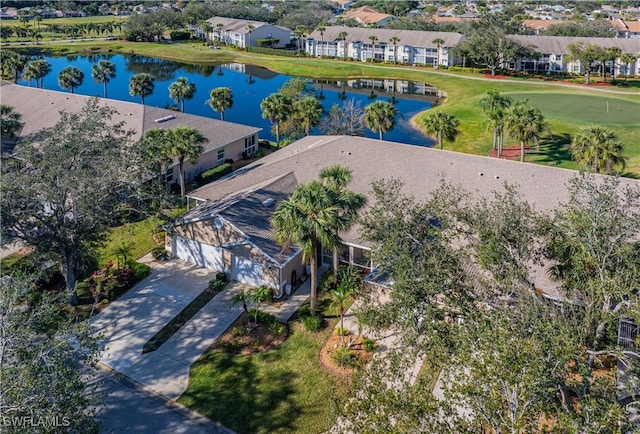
{"x":281,"y":391}
{"x":139,"y":235}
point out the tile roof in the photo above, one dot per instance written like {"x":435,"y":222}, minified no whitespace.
{"x":558,"y":44}
{"x":365,"y":15}
{"x":413,"y":38}
{"x":541,"y":24}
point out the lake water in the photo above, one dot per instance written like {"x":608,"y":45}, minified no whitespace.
{"x":249,"y":85}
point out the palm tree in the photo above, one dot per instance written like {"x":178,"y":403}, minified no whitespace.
{"x":309,"y":110}
{"x":343,"y":35}
{"x":307,"y":219}
{"x":443,"y":125}
{"x":373,"y":39}
{"x":493,"y":104}
{"x":628,"y":59}
{"x":36,"y":70}
{"x":241,"y":298}
{"x":103,"y":72}
{"x":155,"y":150}
{"x":380,"y":116}
{"x":141,"y":85}
{"x":185,"y":143}
{"x":11,"y":63}
{"x":9,"y":122}
{"x":70,"y":78}
{"x":321,"y":28}
{"x":6,"y":32}
{"x":339,"y":297}
{"x":394,"y":40}
{"x":181,"y":90}
{"x":257,"y":296}
{"x":299,"y":33}
{"x":336,"y":178}
{"x":438,"y":42}
{"x":220,"y":99}
{"x":525,"y":123}
{"x":277,"y":108}
{"x":611,"y":53}
{"x":250,"y":28}
{"x":597,"y":147}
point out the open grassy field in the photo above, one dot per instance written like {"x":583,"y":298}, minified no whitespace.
{"x":463,"y":91}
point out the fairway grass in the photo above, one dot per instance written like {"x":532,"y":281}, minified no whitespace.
{"x":567,"y":107}
{"x":596,"y":109}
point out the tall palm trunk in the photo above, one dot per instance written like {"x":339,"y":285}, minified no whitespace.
{"x":181,"y":174}
{"x":277,"y":125}
{"x":314,"y":277}
{"x":440,"y":139}
{"x":521,"y":151}
{"x":104,"y":83}
{"x":495,"y":138}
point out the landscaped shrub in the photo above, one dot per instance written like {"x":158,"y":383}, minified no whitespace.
{"x":212,"y":174}
{"x":238,"y":332}
{"x":259,"y":153}
{"x":343,"y":357}
{"x":327,"y":281}
{"x":272,"y":51}
{"x":277,"y":328}
{"x":312,"y":323}
{"x":159,"y":253}
{"x":222,"y":276}
{"x":217,"y":285}
{"x":368,"y":344}
{"x":342,"y":331}
{"x":304,"y":311}
{"x":111,"y":282}
{"x":267,"y":42}
{"x":180,"y":35}
{"x":351,"y":276}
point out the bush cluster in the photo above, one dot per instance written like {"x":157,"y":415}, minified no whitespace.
{"x":272,"y":51}
{"x":180,"y":35}
{"x":217,"y":285}
{"x":111,"y":282}
{"x":212,"y":174}
{"x":159,"y":253}
{"x":312,"y":323}
{"x":343,"y":357}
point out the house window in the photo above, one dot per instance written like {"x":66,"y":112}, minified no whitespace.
{"x":168,"y":177}
{"x":220,"y":154}
{"x":250,"y":145}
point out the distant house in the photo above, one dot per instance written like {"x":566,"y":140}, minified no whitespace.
{"x":554,"y":54}
{"x":367,"y":16}
{"x":412,"y":47}
{"x":541,"y":25}
{"x":627,"y":28}
{"x":243,"y":33}
{"x":40,"y":109}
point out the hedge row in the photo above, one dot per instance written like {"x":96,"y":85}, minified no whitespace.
{"x":272,"y":51}
{"x":212,"y":174}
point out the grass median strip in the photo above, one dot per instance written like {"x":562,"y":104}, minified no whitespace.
{"x":181,"y":319}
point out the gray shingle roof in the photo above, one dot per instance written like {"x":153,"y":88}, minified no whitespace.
{"x":238,"y":25}
{"x":413,"y":38}
{"x":558,"y":44}
{"x":421,"y":169}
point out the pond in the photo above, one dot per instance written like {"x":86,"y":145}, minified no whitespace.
{"x":249,"y":85}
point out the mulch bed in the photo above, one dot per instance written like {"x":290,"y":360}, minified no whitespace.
{"x":508,"y":152}
{"x":240,"y":338}
{"x":330,"y":346}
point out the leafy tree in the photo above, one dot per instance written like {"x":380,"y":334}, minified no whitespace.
{"x":587,"y":55}
{"x":70,"y":78}
{"x":609,"y":54}
{"x":103,"y":72}
{"x":9,"y":122}
{"x":443,"y":125}
{"x":493,"y":105}
{"x":181,"y":90}
{"x":336,"y":178}
{"x":525,"y":123}
{"x":585,"y":29}
{"x":345,"y":120}
{"x":64,"y":189}
{"x":299,"y":33}
{"x":628,"y":59}
{"x":43,"y":351}
{"x":309,"y":111}
{"x":373,"y":39}
{"x":394,"y":41}
{"x":185,"y":143}
{"x":598,"y":148}
{"x":307,"y":218}
{"x":492,"y":48}
{"x":151,"y":27}
{"x":141,"y":85}
{"x":380,"y":116}
{"x":277,"y":108}
{"x":220,"y":99}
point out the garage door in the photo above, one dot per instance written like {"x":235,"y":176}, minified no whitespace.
{"x":249,"y":272}
{"x":201,"y":254}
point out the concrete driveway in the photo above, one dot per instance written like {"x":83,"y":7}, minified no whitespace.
{"x":129,"y":322}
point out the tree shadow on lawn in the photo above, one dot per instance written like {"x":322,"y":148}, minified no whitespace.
{"x":232,"y":391}
{"x":553,"y":150}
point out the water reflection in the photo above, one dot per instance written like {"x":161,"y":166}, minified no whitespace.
{"x":159,"y":69}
